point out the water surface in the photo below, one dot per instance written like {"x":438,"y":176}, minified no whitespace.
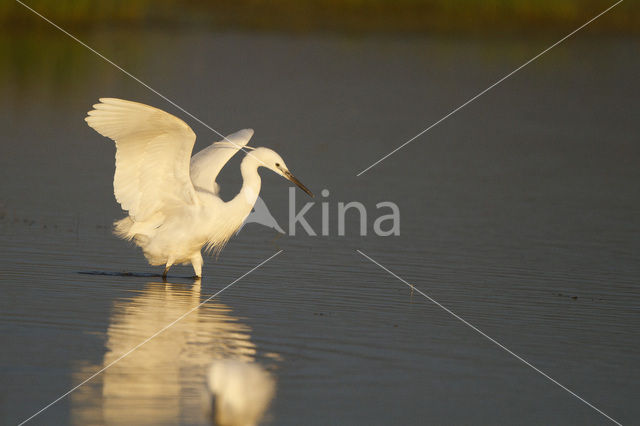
{"x":519,"y":213}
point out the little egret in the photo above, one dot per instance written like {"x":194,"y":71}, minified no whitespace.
{"x":172,"y":199}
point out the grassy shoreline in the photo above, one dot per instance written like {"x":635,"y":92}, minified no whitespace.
{"x":360,"y":16}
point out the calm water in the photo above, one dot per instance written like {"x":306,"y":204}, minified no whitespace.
{"x":519,"y":213}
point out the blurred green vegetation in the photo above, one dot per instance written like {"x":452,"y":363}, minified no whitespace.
{"x":405,"y":16}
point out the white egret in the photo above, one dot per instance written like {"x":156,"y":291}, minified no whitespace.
{"x":172,"y":199}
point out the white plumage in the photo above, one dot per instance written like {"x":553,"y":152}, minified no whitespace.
{"x":172,"y":199}
{"x":206,"y":164}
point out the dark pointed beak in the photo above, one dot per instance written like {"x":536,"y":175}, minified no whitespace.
{"x":295,"y":180}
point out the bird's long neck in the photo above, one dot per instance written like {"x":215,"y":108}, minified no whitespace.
{"x":246,"y":198}
{"x":230,"y":216}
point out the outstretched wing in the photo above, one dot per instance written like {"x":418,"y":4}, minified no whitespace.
{"x":152,"y":158}
{"x":206,"y":164}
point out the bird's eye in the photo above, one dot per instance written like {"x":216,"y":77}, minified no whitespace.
{"x":277,"y":164}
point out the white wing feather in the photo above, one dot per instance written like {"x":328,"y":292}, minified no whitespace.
{"x":153,"y":155}
{"x":206,"y":164}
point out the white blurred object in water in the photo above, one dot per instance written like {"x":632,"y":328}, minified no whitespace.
{"x":239,"y":392}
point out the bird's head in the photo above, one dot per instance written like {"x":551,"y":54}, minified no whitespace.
{"x":271,"y":160}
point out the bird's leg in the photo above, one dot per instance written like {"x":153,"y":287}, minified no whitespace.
{"x":166,"y":269}
{"x":196,"y":261}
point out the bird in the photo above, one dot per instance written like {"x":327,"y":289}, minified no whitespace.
{"x":171,"y":198}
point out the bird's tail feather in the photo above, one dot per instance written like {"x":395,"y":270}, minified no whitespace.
{"x":122,"y":228}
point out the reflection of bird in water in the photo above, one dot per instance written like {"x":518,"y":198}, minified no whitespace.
{"x":239,"y":392}
{"x":172,"y":199}
{"x":162,"y":381}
